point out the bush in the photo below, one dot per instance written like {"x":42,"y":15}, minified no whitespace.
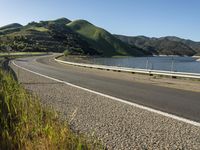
{"x":66,"y":53}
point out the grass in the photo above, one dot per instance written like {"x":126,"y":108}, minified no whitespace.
{"x":40,"y":29}
{"x":1,"y":60}
{"x":26,"y":124}
{"x":22,"y":53}
{"x":85,"y":28}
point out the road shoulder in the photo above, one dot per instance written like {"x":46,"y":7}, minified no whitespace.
{"x":119,"y":125}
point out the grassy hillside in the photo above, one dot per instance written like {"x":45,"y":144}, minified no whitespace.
{"x":13,"y":25}
{"x":102,"y":40}
{"x":10,"y":28}
{"x":45,"y":36}
{"x":164,"y":46}
{"x":79,"y":37}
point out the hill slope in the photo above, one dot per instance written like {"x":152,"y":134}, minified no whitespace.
{"x":13,"y":25}
{"x":164,"y":45}
{"x":79,"y":37}
{"x":102,"y":40}
{"x":52,"y":36}
{"x":10,"y":28}
{"x":192,"y":44}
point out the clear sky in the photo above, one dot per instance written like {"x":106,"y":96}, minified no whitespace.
{"x":154,"y":18}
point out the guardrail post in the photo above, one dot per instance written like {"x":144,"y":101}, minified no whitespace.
{"x":147,"y":63}
{"x":172,"y":65}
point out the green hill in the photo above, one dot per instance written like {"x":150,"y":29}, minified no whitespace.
{"x":103,"y":41}
{"x":13,"y":25}
{"x":10,"y":28}
{"x":79,"y":37}
{"x":45,"y":36}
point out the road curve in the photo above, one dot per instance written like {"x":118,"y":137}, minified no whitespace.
{"x":182,"y":103}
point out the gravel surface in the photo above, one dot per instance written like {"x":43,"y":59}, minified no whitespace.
{"x":119,"y":125}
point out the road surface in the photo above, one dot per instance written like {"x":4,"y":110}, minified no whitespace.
{"x":181,"y":103}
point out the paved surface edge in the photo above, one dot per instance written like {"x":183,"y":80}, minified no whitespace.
{"x":115,"y":98}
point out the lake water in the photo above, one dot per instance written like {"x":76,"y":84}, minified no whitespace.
{"x":167,"y":63}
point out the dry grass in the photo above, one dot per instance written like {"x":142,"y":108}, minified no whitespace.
{"x":26,"y":124}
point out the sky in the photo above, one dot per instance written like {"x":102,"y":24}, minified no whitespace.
{"x":153,"y":18}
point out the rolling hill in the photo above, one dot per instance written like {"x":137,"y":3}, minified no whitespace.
{"x":79,"y":37}
{"x":102,"y":40}
{"x":45,"y":36}
{"x":164,"y":45}
{"x":10,"y":28}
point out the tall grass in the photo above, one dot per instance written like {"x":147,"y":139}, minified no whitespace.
{"x":26,"y":124}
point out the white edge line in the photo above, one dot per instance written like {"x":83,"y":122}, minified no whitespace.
{"x":117,"y":99}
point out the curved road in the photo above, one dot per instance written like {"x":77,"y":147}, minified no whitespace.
{"x":182,"y":103}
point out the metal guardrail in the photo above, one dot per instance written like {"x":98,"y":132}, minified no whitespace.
{"x":135,"y":70}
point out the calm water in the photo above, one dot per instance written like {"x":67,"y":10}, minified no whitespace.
{"x":168,"y":63}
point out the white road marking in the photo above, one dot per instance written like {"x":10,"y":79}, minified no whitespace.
{"x":116,"y":99}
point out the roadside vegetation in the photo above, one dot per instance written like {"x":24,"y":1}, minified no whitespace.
{"x":21,"y":53}
{"x":66,"y":53}
{"x":26,"y":124}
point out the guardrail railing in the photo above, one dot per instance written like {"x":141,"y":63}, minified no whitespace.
{"x":135,"y":70}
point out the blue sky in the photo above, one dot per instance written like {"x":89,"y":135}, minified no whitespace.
{"x":154,"y":18}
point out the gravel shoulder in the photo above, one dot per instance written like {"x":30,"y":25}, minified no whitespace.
{"x":119,"y":125}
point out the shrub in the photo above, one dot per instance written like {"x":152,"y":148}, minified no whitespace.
{"x":66,"y":53}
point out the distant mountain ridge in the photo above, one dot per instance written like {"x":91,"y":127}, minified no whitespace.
{"x":169,"y":45}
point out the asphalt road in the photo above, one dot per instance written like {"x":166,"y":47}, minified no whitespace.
{"x":178,"y":102}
